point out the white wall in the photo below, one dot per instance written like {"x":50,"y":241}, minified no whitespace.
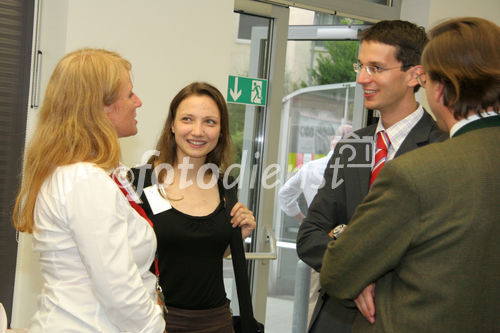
{"x":416,"y":11}
{"x":169,"y":43}
{"x":444,"y":9}
{"x":430,"y":12}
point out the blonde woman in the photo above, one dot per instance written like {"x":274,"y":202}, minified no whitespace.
{"x":187,"y":206}
{"x":95,"y":249}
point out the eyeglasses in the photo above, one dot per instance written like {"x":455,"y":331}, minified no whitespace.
{"x":422,"y":80}
{"x":372,"y":70}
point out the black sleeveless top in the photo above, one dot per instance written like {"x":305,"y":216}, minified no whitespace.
{"x":190,"y":250}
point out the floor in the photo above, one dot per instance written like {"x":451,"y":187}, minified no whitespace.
{"x":279,"y":311}
{"x":279,"y":315}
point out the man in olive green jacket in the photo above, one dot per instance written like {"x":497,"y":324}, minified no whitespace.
{"x":427,"y":234}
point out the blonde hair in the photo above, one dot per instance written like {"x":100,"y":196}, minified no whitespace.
{"x":72,"y":125}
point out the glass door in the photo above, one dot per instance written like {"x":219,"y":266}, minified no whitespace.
{"x":251,"y":58}
{"x":317,"y":107}
{"x":248,"y":60}
{"x":307,"y":58}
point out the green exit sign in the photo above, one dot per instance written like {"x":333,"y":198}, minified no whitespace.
{"x":244,"y":90}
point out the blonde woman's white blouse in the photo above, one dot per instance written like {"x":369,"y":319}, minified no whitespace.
{"x":95,"y":255}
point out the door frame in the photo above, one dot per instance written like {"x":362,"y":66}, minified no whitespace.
{"x":265,"y":200}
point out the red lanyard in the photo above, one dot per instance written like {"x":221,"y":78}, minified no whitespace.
{"x":126,"y":188}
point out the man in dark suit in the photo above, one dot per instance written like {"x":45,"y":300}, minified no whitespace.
{"x":388,"y":66}
{"x":428,"y":231}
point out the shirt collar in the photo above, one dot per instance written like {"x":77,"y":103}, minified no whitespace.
{"x":461,"y":123}
{"x":397,"y":133}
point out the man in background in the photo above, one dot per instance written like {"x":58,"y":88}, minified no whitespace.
{"x":306,"y":181}
{"x":388,"y":66}
{"x":427,"y":233}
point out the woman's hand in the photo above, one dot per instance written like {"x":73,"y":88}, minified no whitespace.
{"x":243,"y":217}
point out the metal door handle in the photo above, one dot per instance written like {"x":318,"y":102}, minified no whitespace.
{"x":271,"y":255}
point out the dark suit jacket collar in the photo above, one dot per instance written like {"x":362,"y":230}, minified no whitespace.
{"x":367,"y":131}
{"x":357,"y":178}
{"x":493,"y":121}
{"x":417,"y":137}
{"x":419,"y":134}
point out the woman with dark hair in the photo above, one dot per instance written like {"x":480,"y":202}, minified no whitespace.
{"x":184,"y":197}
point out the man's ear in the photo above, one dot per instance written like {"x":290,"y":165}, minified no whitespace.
{"x":414,"y":72}
{"x":439,"y":92}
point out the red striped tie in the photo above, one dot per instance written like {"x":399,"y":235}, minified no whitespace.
{"x":383,"y":144}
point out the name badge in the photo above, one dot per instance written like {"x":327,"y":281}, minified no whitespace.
{"x":156,"y":201}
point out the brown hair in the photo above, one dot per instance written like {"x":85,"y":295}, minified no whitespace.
{"x":222,"y":154}
{"x":72,"y":126}
{"x":464,"y":55}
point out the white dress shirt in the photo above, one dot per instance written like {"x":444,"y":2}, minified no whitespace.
{"x":307,"y":180}
{"x":95,"y":255}
{"x":398,"y":132}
